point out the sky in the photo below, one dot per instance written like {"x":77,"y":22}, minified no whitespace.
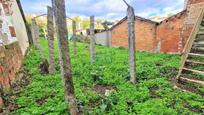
{"x":108,"y":9}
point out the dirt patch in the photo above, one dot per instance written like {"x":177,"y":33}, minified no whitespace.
{"x":44,"y":67}
{"x":153,"y":92}
{"x":189,"y":87}
{"x":103,"y":89}
{"x":169,"y":71}
{"x":193,"y":109}
{"x":22,"y":80}
{"x":42,"y":100}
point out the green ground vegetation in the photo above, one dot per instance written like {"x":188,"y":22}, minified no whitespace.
{"x":153,"y":95}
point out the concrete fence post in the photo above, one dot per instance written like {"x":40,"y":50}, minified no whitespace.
{"x":35,"y":36}
{"x":74,"y":37}
{"x":65,"y":61}
{"x":34,"y":30}
{"x":92,"y":40}
{"x":131,"y":43}
{"x":50,"y":29}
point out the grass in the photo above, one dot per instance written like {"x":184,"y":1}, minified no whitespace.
{"x":154,"y":94}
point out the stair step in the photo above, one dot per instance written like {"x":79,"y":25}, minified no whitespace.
{"x":198,"y":45}
{"x":198,"y":39}
{"x":200,"y":42}
{"x":194,"y":54}
{"x":194,"y":71}
{"x":201,"y":28}
{"x":177,"y":87}
{"x":195,"y":62}
{"x":198,"y":49}
{"x":192,"y":80}
{"x":200,"y":33}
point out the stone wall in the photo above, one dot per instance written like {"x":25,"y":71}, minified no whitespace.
{"x":145,"y":34}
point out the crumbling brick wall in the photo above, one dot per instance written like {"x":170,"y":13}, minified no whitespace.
{"x":10,"y":63}
{"x":193,"y":9}
{"x":145,"y":34}
{"x":10,"y":51}
{"x":169,"y":34}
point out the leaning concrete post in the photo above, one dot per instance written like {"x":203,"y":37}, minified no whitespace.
{"x":34,"y":31}
{"x":65,"y":62}
{"x":74,"y":37}
{"x":131,"y":42}
{"x":45,"y":33}
{"x":92,"y":40}
{"x":35,"y":34}
{"x":50,"y":29}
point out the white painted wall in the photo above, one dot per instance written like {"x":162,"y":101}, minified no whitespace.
{"x":19,"y":26}
{"x":5,"y":34}
{"x":101,"y":38}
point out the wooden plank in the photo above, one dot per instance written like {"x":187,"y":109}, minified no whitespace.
{"x":202,"y":28}
{"x":190,"y":41}
{"x":195,"y":62}
{"x":194,"y":54}
{"x":192,"y":80}
{"x":201,"y":33}
{"x":199,"y":38}
{"x":194,"y":71}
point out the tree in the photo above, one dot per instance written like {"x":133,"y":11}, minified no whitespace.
{"x":50,"y":29}
{"x":65,"y":62}
{"x":131,"y":42}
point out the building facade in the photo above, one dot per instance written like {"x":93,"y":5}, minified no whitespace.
{"x":13,"y":43}
{"x":168,"y":36}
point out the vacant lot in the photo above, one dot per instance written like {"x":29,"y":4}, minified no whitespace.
{"x":104,"y":88}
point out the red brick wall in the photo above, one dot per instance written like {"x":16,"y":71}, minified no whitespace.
{"x":169,"y":34}
{"x":193,"y":10}
{"x":145,"y":35}
{"x":194,"y":1}
{"x":10,"y":63}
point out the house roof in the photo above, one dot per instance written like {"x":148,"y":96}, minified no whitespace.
{"x":173,"y":16}
{"x":147,"y":20}
{"x":136,"y":17}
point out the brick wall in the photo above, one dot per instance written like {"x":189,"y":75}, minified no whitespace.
{"x":10,"y":63}
{"x":193,"y":9}
{"x":10,"y":51}
{"x":194,"y":1}
{"x":169,"y":34}
{"x":145,"y":35}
